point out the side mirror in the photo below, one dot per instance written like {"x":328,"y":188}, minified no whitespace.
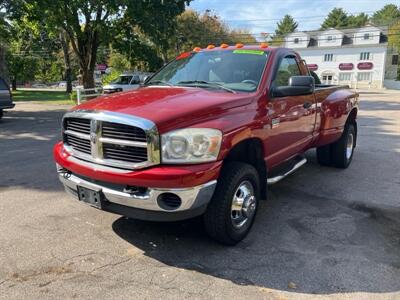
{"x":298,"y":85}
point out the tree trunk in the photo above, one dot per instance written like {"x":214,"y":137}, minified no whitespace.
{"x":67,"y":61}
{"x":88,"y":78}
{"x":14,"y":84}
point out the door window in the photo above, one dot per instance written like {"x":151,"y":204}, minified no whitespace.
{"x":3,"y":85}
{"x":288,"y":67}
{"x":135,"y":80}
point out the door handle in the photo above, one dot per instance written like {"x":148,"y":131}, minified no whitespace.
{"x":307,"y":105}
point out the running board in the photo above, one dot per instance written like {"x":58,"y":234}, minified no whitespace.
{"x":296,"y":164}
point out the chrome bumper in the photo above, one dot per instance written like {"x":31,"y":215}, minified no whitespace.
{"x":191,"y":198}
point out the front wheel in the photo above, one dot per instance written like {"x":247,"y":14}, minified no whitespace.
{"x":1,"y":113}
{"x":232,"y":209}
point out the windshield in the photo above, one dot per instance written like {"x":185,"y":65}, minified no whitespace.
{"x":238,"y":70}
{"x":123,"y":79}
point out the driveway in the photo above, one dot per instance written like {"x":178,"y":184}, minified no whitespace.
{"x":326,"y":232}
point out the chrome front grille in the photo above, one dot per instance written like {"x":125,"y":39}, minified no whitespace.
{"x":111,"y":139}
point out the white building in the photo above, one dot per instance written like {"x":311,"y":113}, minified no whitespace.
{"x":356,"y":57}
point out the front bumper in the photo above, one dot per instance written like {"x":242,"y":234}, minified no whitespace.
{"x":7,"y":106}
{"x":144,"y":203}
{"x":111,"y":91}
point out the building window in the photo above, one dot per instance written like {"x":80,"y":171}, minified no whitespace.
{"x":344,"y":76}
{"x":395,"y":59}
{"x":331,"y":38}
{"x":328,"y":57}
{"x":364,"y":56}
{"x":364,"y":76}
{"x":296,"y":40}
{"x":366,"y":36}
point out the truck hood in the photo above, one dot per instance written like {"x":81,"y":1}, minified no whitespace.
{"x":169,"y":107}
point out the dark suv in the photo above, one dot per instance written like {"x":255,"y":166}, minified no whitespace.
{"x":5,"y":97}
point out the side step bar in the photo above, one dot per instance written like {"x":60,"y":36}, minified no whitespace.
{"x":287,"y":171}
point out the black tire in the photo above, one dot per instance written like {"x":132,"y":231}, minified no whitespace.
{"x":218,"y":219}
{"x":340,"y":156}
{"x":1,"y":114}
{"x":324,"y":155}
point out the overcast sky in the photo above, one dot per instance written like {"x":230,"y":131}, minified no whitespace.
{"x":262,"y":15}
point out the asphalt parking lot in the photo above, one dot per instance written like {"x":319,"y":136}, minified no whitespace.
{"x":326,"y":232}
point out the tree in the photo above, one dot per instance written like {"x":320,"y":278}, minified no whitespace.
{"x":91,"y":23}
{"x":285,"y":26}
{"x":4,"y":34}
{"x":359,"y":20}
{"x":337,"y":18}
{"x":200,"y":30}
{"x":387,"y":15}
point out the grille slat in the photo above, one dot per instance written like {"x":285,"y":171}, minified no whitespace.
{"x":116,"y":148}
{"x":126,"y":153}
{"x":122,"y":131}
{"x":78,"y":125}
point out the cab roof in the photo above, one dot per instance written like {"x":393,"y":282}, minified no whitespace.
{"x":262,"y":46}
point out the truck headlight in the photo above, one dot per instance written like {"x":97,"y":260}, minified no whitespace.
{"x":191,"y":145}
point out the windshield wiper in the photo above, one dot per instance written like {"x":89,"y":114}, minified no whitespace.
{"x":202,"y":82}
{"x":158,"y":82}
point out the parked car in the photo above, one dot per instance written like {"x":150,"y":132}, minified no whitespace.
{"x":125,"y":82}
{"x":204,"y":136}
{"x":39,"y":86}
{"x":5,"y":97}
{"x":62,"y":84}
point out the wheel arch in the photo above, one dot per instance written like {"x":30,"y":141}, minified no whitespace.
{"x":251,"y":151}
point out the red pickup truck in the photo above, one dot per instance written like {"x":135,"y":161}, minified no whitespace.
{"x":204,"y":136}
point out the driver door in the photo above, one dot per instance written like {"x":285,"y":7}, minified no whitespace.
{"x":292,"y":118}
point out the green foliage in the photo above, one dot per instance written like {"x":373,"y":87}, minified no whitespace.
{"x":359,"y":20}
{"x":113,"y":75}
{"x":337,"y":18}
{"x":90,"y":24}
{"x":285,"y":26}
{"x":387,"y":15}
{"x":118,"y":62}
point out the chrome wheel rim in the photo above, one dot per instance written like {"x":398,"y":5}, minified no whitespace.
{"x":244,"y":204}
{"x":349,"y":146}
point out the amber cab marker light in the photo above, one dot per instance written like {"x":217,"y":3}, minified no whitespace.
{"x":197,"y":49}
{"x":239,"y":45}
{"x":224,"y":45}
{"x":210,"y":47}
{"x":264,"y":45}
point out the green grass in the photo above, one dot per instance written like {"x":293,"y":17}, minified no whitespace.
{"x":50,"y":97}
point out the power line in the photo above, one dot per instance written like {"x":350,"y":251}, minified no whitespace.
{"x":295,"y":18}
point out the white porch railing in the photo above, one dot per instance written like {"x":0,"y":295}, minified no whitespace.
{"x":82,"y":94}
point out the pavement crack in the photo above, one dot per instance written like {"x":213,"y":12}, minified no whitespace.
{"x":110,"y":265}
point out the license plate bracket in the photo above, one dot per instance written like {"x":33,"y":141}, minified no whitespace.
{"x":91,"y":197}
